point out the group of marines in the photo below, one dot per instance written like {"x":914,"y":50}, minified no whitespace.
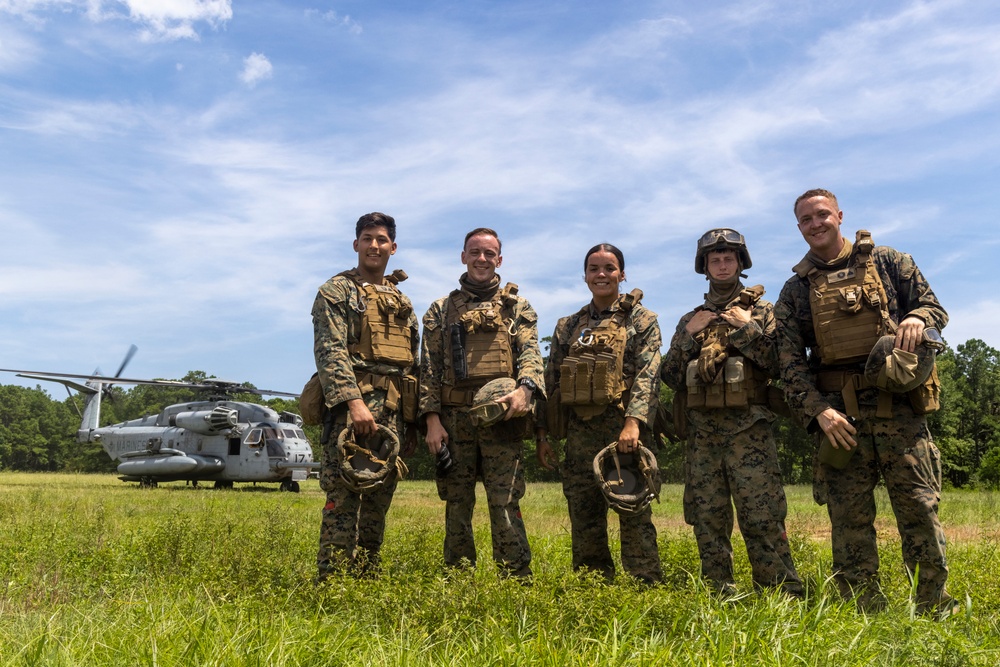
{"x":600,"y":385}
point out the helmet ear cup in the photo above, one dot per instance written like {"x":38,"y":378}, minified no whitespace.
{"x":630,"y":481}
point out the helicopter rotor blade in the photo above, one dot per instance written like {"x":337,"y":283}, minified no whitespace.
{"x":128,"y":357}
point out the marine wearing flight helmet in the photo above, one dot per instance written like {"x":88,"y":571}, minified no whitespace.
{"x":366,"y":346}
{"x":478,"y":333}
{"x":721,"y":360}
{"x":842,"y":299}
{"x":604,"y":360}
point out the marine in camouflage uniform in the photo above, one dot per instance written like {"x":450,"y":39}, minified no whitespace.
{"x":494,"y":454}
{"x":588,"y":509}
{"x":353,"y":524}
{"x":731,"y":456}
{"x":897,"y":446}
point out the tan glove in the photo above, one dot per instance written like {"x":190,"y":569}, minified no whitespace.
{"x":712,"y":358}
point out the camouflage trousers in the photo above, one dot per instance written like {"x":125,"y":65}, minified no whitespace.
{"x":353,"y":524}
{"x":902,"y":452}
{"x":742,"y":470}
{"x":588,"y":509}
{"x":495,"y":455}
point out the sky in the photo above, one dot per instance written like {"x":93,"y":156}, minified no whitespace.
{"x":183,"y":174}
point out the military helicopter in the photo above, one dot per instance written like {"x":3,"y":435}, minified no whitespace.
{"x":215,"y":440}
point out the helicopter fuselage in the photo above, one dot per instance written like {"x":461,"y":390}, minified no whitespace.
{"x":222,"y":441}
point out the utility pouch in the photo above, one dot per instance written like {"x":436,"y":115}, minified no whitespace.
{"x":567,"y":383}
{"x":312,"y":403}
{"x":695,"y":388}
{"x":926,"y":398}
{"x":603,"y":382}
{"x":410,"y":393}
{"x":583,"y":382}
{"x":737,"y":383}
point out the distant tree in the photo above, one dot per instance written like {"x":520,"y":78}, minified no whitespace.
{"x":33,"y":429}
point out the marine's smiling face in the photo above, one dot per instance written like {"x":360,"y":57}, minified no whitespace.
{"x":819,"y":222}
{"x":481,"y":257}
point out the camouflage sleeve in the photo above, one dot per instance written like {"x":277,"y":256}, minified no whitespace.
{"x":331,"y":327}
{"x":645,"y":347}
{"x":683,"y":348}
{"x":432,"y":358}
{"x":795,"y":336}
{"x":757,"y":339}
{"x":529,"y":355}
{"x":908,"y":291}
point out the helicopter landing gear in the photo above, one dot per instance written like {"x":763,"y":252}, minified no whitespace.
{"x":147,"y":483}
{"x":224,"y":484}
{"x":289,"y":485}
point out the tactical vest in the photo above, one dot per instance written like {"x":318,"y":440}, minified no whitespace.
{"x":386,"y":336}
{"x":740,"y":383}
{"x":478,"y":348}
{"x":849,"y":306}
{"x":591,"y":377}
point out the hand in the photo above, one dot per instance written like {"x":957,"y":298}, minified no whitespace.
{"x":736,"y":316}
{"x":699,"y":321}
{"x":518,"y":402}
{"x":838,"y":430}
{"x":436,"y":433}
{"x":543,"y":452}
{"x":909,"y":333}
{"x":628,"y":439}
{"x":409,"y":440}
{"x":361,"y":418}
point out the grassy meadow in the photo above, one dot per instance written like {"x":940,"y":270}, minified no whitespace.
{"x":97,"y":572}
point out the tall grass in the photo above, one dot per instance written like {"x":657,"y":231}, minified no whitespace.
{"x":96,"y":572}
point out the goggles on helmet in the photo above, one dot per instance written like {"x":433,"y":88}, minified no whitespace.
{"x":720,"y":236}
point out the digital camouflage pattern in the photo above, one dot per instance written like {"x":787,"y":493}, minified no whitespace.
{"x":353,"y":525}
{"x":588,"y":509}
{"x":494,"y":454}
{"x":899,"y":449}
{"x":731,"y":459}
{"x":528,"y":357}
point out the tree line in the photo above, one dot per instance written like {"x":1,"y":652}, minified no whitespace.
{"x":38,"y":432}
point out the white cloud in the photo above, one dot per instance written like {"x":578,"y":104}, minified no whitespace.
{"x":158,"y":20}
{"x":333,"y":17}
{"x":256,"y":68}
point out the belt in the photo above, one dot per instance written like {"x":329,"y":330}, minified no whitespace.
{"x":849,"y":383}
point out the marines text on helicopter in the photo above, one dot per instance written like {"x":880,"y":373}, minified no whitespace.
{"x":216,"y":439}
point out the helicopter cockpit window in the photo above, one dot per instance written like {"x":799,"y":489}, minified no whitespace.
{"x":289,"y":432}
{"x":254,"y":439}
{"x":300,"y":434}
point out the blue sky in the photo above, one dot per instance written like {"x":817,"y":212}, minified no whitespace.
{"x":183,"y":174}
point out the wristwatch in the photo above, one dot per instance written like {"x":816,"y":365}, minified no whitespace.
{"x":530,"y":384}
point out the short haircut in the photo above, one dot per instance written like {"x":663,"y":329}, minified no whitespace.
{"x":818,"y":192}
{"x":483,"y":230}
{"x":605,"y":247}
{"x":376,"y":219}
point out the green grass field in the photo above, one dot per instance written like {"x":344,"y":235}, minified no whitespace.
{"x":97,"y":572}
